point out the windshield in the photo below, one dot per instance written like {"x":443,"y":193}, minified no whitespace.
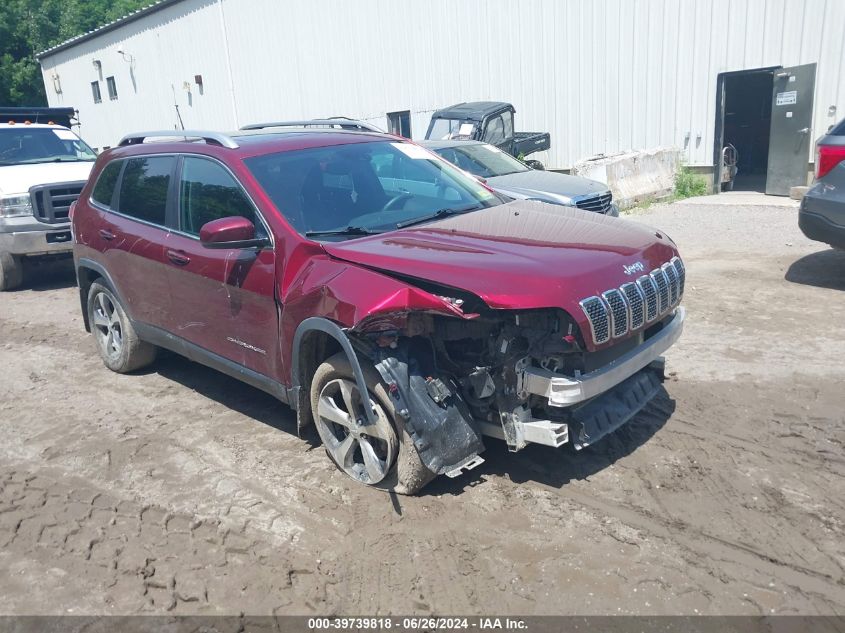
{"x":485,"y":161}
{"x":25,"y":145}
{"x":449,"y":129}
{"x":362,"y":188}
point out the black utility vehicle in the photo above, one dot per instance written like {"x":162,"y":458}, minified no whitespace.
{"x":490,"y":122}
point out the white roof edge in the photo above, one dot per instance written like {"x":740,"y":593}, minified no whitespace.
{"x":105,"y":28}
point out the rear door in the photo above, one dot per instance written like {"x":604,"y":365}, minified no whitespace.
{"x":791,"y":128}
{"x":222,"y":300}
{"x":131,"y":233}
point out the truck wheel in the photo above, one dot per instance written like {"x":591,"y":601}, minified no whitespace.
{"x":118,"y":343}
{"x":380,"y":455}
{"x":11,"y":271}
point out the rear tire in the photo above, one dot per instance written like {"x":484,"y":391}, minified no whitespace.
{"x":116,"y":340}
{"x":397,"y":467}
{"x":11,"y":271}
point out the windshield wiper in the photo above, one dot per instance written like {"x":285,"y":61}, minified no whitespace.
{"x":440,"y":213}
{"x":349,"y":230}
{"x":67,"y":160}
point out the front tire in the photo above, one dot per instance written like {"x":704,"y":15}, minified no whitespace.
{"x":380,"y":455}
{"x":117,"y":342}
{"x":11,"y":272}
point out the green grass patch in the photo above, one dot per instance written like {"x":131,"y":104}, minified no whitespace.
{"x":688,"y":184}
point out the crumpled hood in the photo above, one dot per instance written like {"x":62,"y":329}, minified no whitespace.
{"x":19,"y":178}
{"x":541,"y":184}
{"x":523,"y":254}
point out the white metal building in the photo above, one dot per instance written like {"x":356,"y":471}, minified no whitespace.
{"x":601,"y":75}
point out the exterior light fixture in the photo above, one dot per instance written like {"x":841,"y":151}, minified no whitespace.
{"x":127,"y":57}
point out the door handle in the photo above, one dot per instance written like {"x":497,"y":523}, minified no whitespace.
{"x":106,"y":234}
{"x":804,"y":130}
{"x":178,"y":257}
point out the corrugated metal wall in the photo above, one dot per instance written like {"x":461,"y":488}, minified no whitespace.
{"x":600,"y":75}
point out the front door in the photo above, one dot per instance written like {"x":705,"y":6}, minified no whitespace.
{"x":790,"y":135}
{"x":222,"y":300}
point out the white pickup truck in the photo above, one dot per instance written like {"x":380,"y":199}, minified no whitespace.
{"x":43,"y":168}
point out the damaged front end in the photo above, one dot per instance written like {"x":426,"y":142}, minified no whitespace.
{"x":523,"y":376}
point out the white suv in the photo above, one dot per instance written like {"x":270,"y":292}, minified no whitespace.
{"x":42,"y":171}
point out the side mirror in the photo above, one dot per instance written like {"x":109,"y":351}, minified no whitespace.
{"x":231,"y":232}
{"x":535,"y":164}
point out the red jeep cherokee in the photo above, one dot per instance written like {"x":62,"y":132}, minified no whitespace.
{"x":388,"y":297}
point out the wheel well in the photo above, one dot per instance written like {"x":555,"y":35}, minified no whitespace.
{"x":316,"y":347}
{"x":85,"y":277}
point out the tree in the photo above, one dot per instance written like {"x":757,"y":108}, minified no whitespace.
{"x":28,"y":27}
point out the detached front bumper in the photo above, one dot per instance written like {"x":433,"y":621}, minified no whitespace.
{"x":25,"y":237}
{"x":565,"y":391}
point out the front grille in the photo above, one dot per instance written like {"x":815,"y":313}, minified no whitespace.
{"x":599,"y":203}
{"x":634,"y":297}
{"x":662,"y":284}
{"x":619,"y":311}
{"x":682,"y":275}
{"x":51,"y":203}
{"x":649,"y":289}
{"x":598,"y":316}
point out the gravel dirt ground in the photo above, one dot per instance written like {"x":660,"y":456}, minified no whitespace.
{"x":180,"y":490}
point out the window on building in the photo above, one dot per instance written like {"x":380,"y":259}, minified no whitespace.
{"x":209,"y":192}
{"x":106,"y":183}
{"x":95,"y":91}
{"x":112,"y":88}
{"x":143,"y":189}
{"x":399,"y":123}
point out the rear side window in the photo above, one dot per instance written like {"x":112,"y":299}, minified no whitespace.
{"x":143,"y":190}
{"x":104,"y":189}
{"x":839,"y":129}
{"x":209,"y":192}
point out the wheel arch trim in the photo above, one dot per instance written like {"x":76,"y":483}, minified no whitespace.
{"x":321,"y":324}
{"x":90,"y":264}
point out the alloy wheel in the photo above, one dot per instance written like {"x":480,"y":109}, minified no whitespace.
{"x":107,"y":325}
{"x":364,"y":451}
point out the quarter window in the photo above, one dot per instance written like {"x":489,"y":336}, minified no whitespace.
{"x":143,"y":190}
{"x":104,"y":189}
{"x":112,"y":88}
{"x":209,"y":192}
{"x":95,"y":91}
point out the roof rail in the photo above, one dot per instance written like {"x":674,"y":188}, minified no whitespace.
{"x":341,"y":122}
{"x":211,"y":138}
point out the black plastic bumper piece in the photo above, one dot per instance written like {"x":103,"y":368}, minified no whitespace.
{"x":820,"y":229}
{"x":615,"y":407}
{"x":443,"y":432}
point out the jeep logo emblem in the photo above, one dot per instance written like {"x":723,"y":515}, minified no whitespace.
{"x":636,"y":267}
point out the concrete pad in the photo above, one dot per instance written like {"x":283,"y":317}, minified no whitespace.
{"x":743,"y":199}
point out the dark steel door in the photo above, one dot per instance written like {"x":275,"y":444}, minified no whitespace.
{"x":790,"y":137}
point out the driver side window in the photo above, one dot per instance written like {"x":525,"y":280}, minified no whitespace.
{"x":208,"y":192}
{"x":495,"y":133}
